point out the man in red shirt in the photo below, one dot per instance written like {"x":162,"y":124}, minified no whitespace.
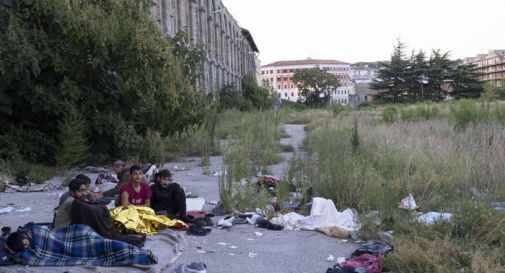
{"x":137,"y":192}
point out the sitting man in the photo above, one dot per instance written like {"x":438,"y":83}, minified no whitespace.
{"x":137,"y":192}
{"x":168,"y":198}
{"x":77,"y":189}
{"x":88,"y":194}
{"x":77,"y":210}
{"x":123,"y":178}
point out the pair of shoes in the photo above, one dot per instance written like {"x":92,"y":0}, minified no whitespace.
{"x":262,"y":223}
{"x":188,"y":219}
{"x":205,"y":221}
{"x":197,"y":230}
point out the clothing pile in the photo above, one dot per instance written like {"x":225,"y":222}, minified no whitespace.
{"x":78,"y":245}
{"x":369,"y":258}
{"x":267,"y":182}
{"x":142,"y":220}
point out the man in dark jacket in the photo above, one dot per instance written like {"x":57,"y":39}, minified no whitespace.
{"x":168,"y":198}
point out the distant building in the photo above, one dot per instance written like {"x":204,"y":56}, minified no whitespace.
{"x":363,"y":74}
{"x":278,"y":76}
{"x":491,"y":66}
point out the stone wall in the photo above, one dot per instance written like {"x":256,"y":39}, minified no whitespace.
{"x":230,"y":49}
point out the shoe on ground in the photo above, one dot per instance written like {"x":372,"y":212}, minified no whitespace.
{"x":197,"y":230}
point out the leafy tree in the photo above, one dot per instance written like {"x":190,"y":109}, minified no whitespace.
{"x":72,"y":136}
{"x":392,"y":75}
{"x":316,"y":86}
{"x":465,"y":82}
{"x":107,"y":59}
{"x":403,"y":79}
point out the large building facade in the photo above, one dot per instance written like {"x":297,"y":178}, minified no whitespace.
{"x":231,"y":52}
{"x":278,"y":76}
{"x":490,"y":66}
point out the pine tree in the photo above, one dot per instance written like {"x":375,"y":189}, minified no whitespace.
{"x":466,"y":83}
{"x":73,"y":149}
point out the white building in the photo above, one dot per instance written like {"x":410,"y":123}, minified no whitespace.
{"x":279,"y":76}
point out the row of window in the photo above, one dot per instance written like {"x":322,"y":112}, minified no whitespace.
{"x":285,"y":87}
{"x":284,"y":71}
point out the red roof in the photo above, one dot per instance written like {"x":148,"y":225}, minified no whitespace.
{"x":304,"y":62}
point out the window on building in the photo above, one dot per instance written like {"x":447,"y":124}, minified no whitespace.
{"x":286,"y":94}
{"x":271,"y":72}
{"x":285,"y":78}
{"x":278,"y":71}
{"x":284,"y":71}
{"x":291,"y":86}
{"x":262,"y":72}
{"x":278,"y":79}
{"x":285,"y":86}
{"x":279,"y":86}
{"x":292,"y":94}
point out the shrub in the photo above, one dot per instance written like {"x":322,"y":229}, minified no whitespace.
{"x":389,"y":114}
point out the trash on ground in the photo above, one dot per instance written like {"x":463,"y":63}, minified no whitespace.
{"x":498,"y":206}
{"x":234,"y":247}
{"x":27,"y":209}
{"x":258,"y":234}
{"x":408,"y":203}
{"x":366,"y":259}
{"x":252,"y":220}
{"x":212,"y":202}
{"x":6,"y":210}
{"x":374,"y":248}
{"x":335,"y":232}
{"x":195,"y":204}
{"x":431,"y":218}
{"x":388,"y":234}
{"x":191,"y":268}
{"x":226,"y":222}
{"x":223,"y":244}
{"x":330,"y":258}
{"x":231,"y":254}
{"x":373,"y":217}
{"x":324,"y":214}
{"x":252,"y":255}
{"x":340,"y":260}
{"x":289,"y":220}
{"x":262,"y":223}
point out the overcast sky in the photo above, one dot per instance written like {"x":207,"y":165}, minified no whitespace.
{"x":366,"y":30}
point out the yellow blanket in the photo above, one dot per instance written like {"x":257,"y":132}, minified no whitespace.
{"x":142,"y":220}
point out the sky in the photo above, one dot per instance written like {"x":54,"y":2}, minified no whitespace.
{"x":366,"y":30}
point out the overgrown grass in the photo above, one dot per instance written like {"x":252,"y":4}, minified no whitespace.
{"x":442,"y":154}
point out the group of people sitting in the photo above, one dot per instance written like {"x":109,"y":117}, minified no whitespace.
{"x":79,"y":206}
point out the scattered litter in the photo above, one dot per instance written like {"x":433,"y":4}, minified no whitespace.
{"x":408,"y":203}
{"x":498,"y":206}
{"x":27,"y":209}
{"x":231,"y":254}
{"x":258,"y":234}
{"x":431,"y":218}
{"x":179,"y":169}
{"x":201,"y":251}
{"x":219,"y":173}
{"x":234,"y":247}
{"x":373,"y":217}
{"x":324,"y":214}
{"x":213,"y":202}
{"x":6,"y":210}
{"x":226,"y":222}
{"x":252,"y":255}
{"x":252,"y":220}
{"x":195,"y":204}
{"x":341,"y":260}
{"x":359,"y":241}
{"x":388,"y":234}
{"x":344,"y":241}
{"x":223,"y":244}
{"x":250,"y":239}
{"x":335,"y":232}
{"x":330,"y":258}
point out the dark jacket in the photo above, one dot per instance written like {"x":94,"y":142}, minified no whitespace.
{"x":171,"y":199}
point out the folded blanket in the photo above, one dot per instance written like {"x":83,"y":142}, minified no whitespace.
{"x":142,"y":220}
{"x":78,"y":245}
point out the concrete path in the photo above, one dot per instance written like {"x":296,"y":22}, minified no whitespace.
{"x":234,"y":250}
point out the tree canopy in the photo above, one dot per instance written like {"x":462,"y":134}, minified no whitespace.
{"x":105,"y":61}
{"x":316,"y":86}
{"x":418,"y":77}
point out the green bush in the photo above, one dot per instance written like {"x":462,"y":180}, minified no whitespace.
{"x":389,"y":114}
{"x":107,"y":58}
